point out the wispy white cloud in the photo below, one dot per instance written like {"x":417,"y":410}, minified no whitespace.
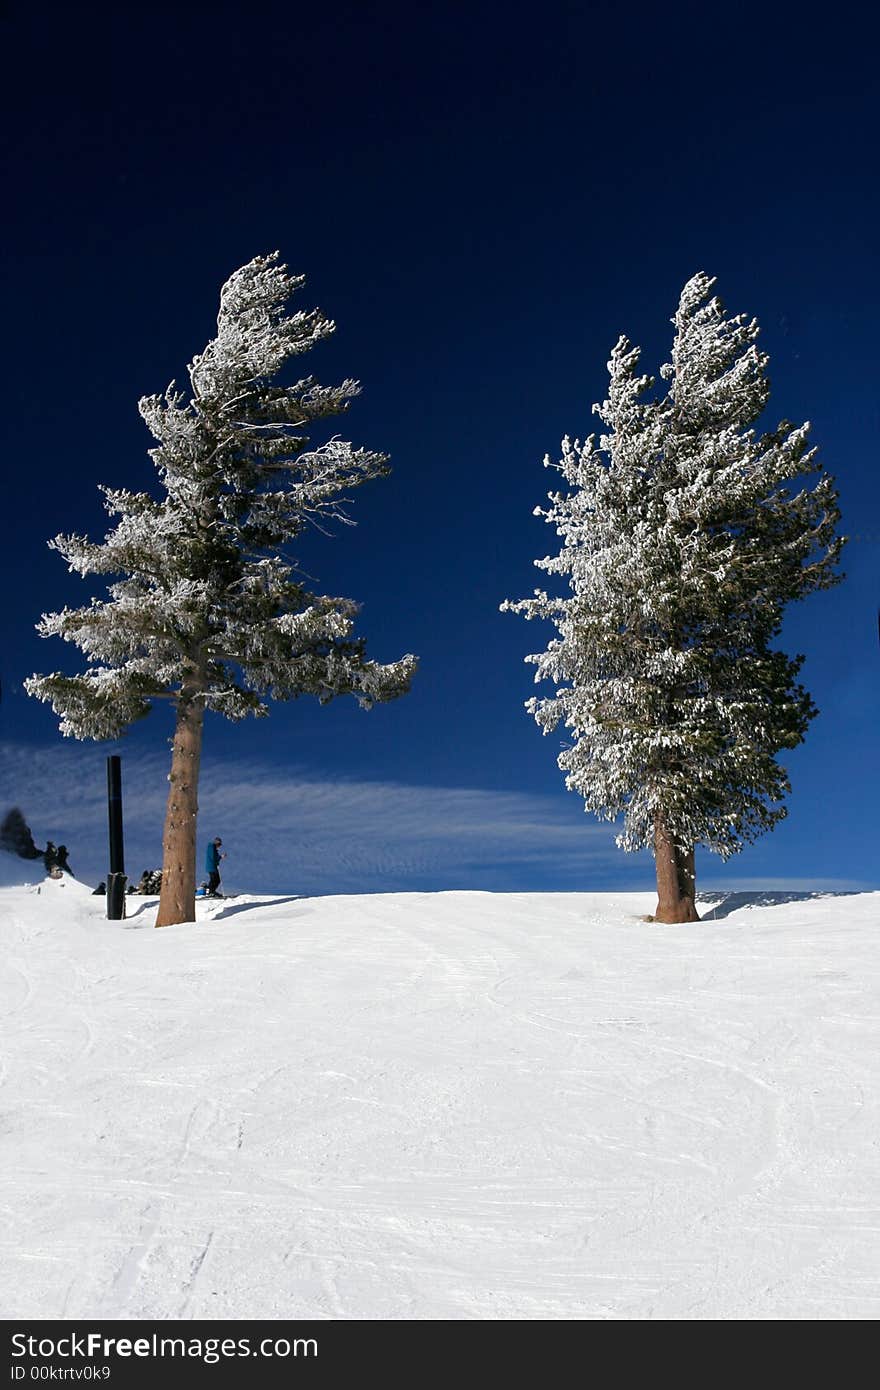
{"x":288,"y":831}
{"x":715,"y":884}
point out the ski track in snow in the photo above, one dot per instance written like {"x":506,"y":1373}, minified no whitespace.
{"x":428,"y":1106}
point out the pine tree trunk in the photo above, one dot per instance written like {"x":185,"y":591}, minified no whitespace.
{"x":676,"y":883}
{"x":687,"y":874}
{"x":177,"y":901}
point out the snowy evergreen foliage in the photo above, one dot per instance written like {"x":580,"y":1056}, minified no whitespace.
{"x":206,"y":603}
{"x":209,"y":614}
{"x":684,"y":533}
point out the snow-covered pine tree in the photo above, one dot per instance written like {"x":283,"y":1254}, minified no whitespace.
{"x":684,"y":535}
{"x":209,"y":613}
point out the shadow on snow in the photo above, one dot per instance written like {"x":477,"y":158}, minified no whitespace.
{"x":723,"y":904}
{"x":129,"y":923}
{"x":260,"y":902}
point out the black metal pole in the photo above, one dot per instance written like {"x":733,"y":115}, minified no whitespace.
{"x":116,"y":876}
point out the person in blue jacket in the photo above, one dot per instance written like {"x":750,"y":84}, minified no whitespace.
{"x":212,"y":864}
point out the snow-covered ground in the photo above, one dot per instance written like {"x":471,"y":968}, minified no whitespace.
{"x":453,"y":1105}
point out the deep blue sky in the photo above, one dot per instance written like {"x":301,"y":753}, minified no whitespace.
{"x":483,"y":197}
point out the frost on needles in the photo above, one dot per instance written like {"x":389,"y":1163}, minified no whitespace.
{"x":684,"y":534}
{"x":208,"y":612}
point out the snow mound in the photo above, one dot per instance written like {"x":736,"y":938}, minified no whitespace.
{"x":431,"y":1106}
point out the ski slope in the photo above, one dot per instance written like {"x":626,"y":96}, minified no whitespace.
{"x":439,"y":1106}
